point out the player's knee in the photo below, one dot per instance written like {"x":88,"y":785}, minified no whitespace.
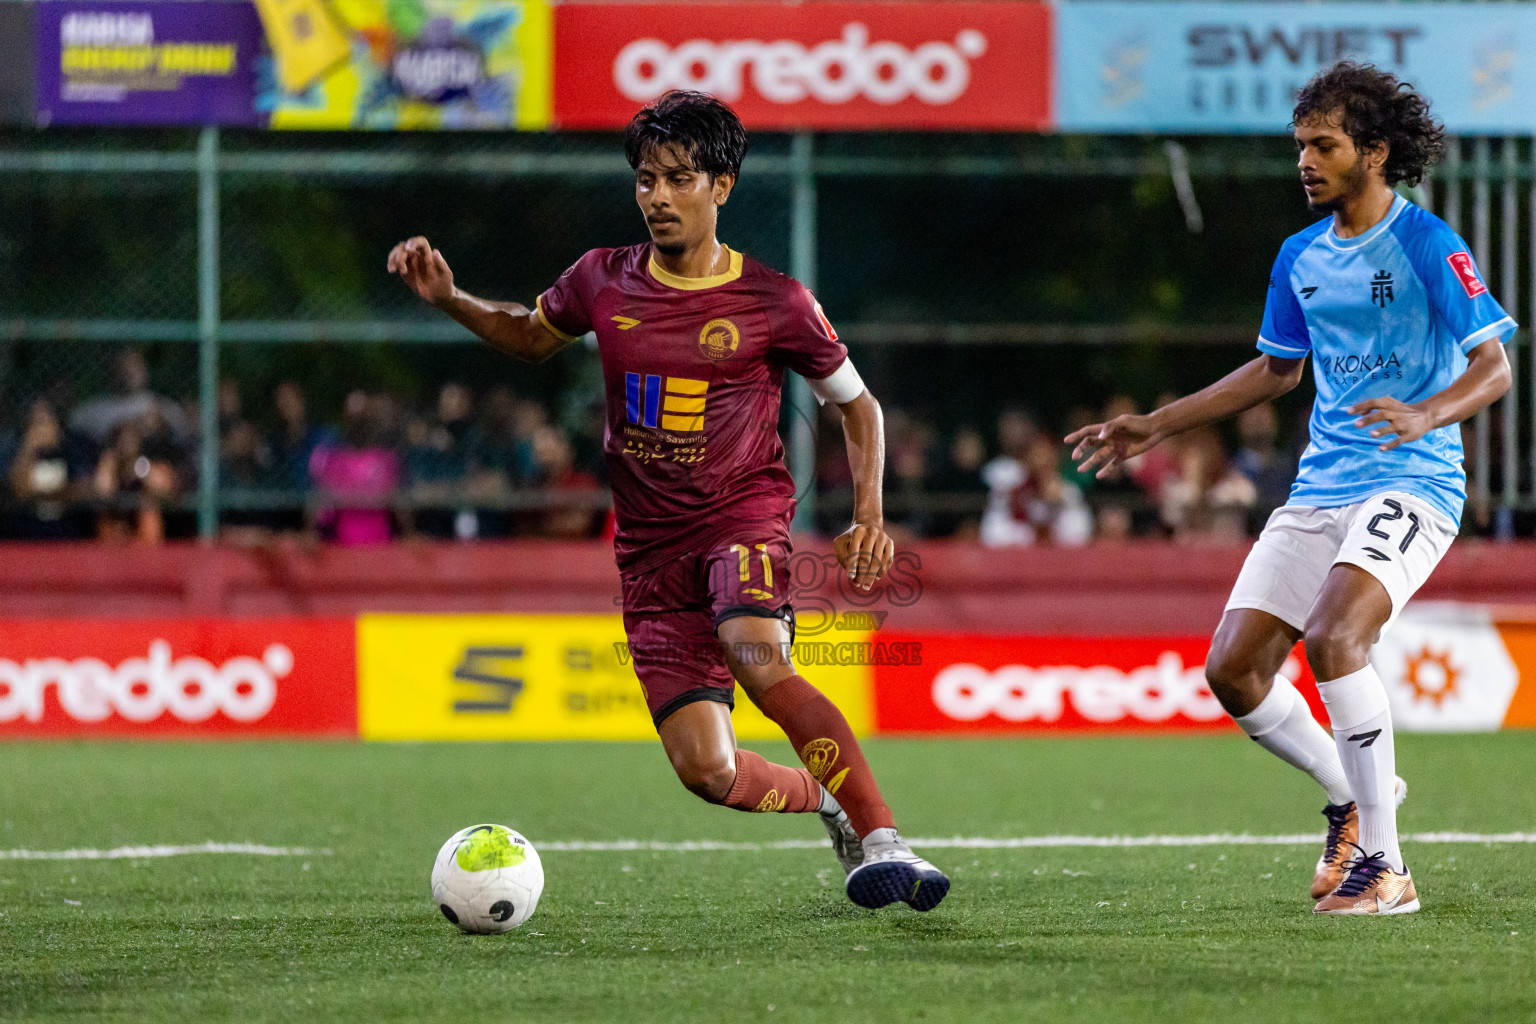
{"x":1335,"y":649}
{"x":757,"y":667}
{"x":1234,"y":679}
{"x":707,"y":776}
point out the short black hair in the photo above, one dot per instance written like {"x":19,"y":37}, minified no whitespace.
{"x":707,"y":131}
{"x":1376,"y":107}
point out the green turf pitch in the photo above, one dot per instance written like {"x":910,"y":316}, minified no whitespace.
{"x":1165,"y":934}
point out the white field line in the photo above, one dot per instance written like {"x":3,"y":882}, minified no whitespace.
{"x":144,"y":852}
{"x":713,"y":846}
{"x":1024,"y":842}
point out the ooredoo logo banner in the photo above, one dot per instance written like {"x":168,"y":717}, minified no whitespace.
{"x":960,"y":65}
{"x":1013,"y":684}
{"x":181,"y":676}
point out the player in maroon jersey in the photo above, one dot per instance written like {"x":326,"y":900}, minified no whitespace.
{"x":694,"y":339}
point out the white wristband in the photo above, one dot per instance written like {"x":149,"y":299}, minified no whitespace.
{"x":843,"y":386}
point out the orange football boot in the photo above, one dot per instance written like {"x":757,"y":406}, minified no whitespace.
{"x":1373,"y":887}
{"x":1343,"y":832}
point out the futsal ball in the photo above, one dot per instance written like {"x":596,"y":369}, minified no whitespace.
{"x":487,"y":879}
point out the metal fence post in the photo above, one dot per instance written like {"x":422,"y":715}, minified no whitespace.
{"x":1509,"y":280}
{"x":208,"y":332}
{"x":1530,"y":325}
{"x":1482,"y":423}
{"x":802,"y":267}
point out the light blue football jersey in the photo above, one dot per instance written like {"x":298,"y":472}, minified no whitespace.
{"x":1391,"y":313}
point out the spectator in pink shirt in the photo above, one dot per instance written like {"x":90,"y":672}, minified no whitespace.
{"x":356,"y":478}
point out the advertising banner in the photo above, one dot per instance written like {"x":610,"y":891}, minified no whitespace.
{"x":1452,"y":668}
{"x":1034,"y":684}
{"x":178,"y":677}
{"x":418,"y":65}
{"x":164,"y":62}
{"x":1446,"y":668}
{"x":1129,"y":66}
{"x":543,"y":677}
{"x":955,"y":65}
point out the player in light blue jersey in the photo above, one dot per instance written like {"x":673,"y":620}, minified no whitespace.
{"x":1406,"y":342}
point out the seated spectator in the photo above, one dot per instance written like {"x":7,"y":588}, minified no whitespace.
{"x":1150,"y":471}
{"x":436,"y":459}
{"x":228,"y":403}
{"x":1001,"y":525}
{"x":293,"y":438}
{"x":1206,"y":496}
{"x":142,"y":470}
{"x":958,"y":483}
{"x":244,"y":460}
{"x":1052,"y":505}
{"x":1120,"y":507}
{"x":98,"y":418}
{"x":357,"y":477}
{"x":1266,"y":465}
{"x":500,"y":456}
{"x":570,"y":515}
{"x":907,"y":514}
{"x":48,"y":471}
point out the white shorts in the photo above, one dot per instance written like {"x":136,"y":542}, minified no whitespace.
{"x":1396,"y":537}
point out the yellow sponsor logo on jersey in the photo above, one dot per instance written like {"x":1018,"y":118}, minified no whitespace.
{"x":682,"y":407}
{"x":625,"y":322}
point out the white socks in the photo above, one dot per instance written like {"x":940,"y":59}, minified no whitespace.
{"x":829,"y":804}
{"x":1362,"y":729}
{"x":1283,"y":725}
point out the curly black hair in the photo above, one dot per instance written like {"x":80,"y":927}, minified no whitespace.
{"x":708,"y":132}
{"x":1376,"y":107}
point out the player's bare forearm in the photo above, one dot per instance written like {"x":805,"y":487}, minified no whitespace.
{"x":1256,"y":381}
{"x":505,"y":326}
{"x":864,"y":549}
{"x":864,"y":433}
{"x":1103,"y":445}
{"x":1486,"y":380}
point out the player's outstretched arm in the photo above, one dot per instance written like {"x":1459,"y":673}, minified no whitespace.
{"x":1106,"y":445}
{"x":505,"y":326}
{"x":1484,"y":382}
{"x":864,"y":549}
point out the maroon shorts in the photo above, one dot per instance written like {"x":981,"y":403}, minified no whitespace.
{"x":671,"y":613}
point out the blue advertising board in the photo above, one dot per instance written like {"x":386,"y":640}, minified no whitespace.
{"x":1188,"y":68}
{"x":146,"y":62}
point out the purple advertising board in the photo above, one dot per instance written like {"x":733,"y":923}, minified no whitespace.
{"x":162,"y":62}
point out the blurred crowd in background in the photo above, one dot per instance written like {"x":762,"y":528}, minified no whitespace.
{"x":485,"y":462}
{"x":1013,"y":482}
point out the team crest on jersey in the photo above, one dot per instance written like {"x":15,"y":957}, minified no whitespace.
{"x":1381,"y":288}
{"x":719,"y":339}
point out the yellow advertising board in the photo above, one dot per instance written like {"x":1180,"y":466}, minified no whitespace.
{"x":532,"y":677}
{"x":409,"y":64}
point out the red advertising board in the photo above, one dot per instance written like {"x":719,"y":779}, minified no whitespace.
{"x":178,"y":677}
{"x":960,"y":65}
{"x":1028,"y":684}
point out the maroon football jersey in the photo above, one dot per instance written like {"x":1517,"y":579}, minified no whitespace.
{"x":693,"y":369}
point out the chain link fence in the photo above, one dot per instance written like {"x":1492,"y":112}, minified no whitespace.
{"x":199,"y":313}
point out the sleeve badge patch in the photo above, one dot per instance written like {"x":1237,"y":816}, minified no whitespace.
{"x":1466,"y":273}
